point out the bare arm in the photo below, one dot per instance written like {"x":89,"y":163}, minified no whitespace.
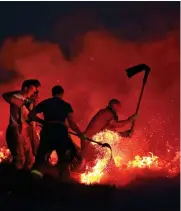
{"x":9,"y":98}
{"x":122,"y":123}
{"x":33,"y":117}
{"x":73,"y":124}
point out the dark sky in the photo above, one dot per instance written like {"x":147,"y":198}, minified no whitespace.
{"x":86,"y":47}
{"x":60,"y":22}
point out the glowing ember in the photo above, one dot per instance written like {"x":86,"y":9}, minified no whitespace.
{"x":4,"y":154}
{"x":151,"y":161}
{"x":144,"y":162}
{"x":123,"y":163}
{"x":53,"y":158}
{"x":117,"y":161}
{"x":95,"y":175}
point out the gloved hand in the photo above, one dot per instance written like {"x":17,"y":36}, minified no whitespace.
{"x":133,"y":117}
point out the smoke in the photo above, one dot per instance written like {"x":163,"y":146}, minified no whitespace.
{"x":100,"y":50}
{"x":97,"y":74}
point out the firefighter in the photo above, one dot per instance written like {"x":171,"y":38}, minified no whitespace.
{"x":106,"y":118}
{"x":18,"y":131}
{"x":54,"y":134}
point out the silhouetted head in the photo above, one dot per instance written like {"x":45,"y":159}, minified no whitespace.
{"x":57,"y":91}
{"x":30,"y":87}
{"x":115,"y":105}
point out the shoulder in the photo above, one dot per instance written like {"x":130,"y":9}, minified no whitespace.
{"x":43,"y":102}
{"x":104,"y":111}
{"x":18,"y":95}
{"x":65,"y":103}
{"x":107,"y":113}
{"x":68,"y":106}
{"x":46,"y":101}
{"x":102,"y":114}
{"x":41,"y":106}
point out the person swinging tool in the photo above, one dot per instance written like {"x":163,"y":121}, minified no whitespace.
{"x":106,"y":118}
{"x":54,"y":134}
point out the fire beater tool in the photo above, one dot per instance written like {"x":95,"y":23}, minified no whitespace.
{"x":90,"y":140}
{"x":130,"y":73}
{"x":100,"y":144}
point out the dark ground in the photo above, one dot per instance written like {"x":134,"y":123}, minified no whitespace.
{"x":22,"y":192}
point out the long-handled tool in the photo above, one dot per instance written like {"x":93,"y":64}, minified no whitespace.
{"x":130,"y":73}
{"x":90,"y":140}
{"x":100,"y":144}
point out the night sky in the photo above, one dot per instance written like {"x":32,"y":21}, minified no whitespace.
{"x":61,"y":22}
{"x":86,"y":47}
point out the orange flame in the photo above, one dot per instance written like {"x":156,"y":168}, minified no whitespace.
{"x":4,"y":154}
{"x":144,"y":162}
{"x":95,"y":175}
{"x":120,"y":161}
{"x":139,"y":162}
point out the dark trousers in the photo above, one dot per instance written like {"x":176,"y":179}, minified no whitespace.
{"x":19,"y":144}
{"x":55,"y":137}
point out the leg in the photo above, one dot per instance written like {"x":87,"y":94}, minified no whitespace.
{"x":34,"y":139}
{"x":63,"y":167}
{"x":78,"y":163}
{"x":45,"y":147}
{"x":15,"y":143}
{"x":66,"y":152}
{"x":29,"y":157}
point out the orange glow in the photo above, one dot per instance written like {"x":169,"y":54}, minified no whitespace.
{"x":145,"y":161}
{"x":150,"y":161}
{"x":4,"y":154}
{"x":102,"y":170}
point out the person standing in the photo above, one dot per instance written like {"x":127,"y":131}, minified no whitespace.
{"x":18,"y":131}
{"x":54,"y":134}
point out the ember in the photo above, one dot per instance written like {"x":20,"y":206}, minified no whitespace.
{"x":142,"y":162}
{"x":121,"y":161}
{"x":4,"y":154}
{"x":95,"y":175}
{"x":150,"y":161}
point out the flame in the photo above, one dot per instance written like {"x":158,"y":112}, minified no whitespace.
{"x":95,"y":175}
{"x":144,"y":162}
{"x":150,"y":161}
{"x":4,"y":154}
{"x":53,"y":158}
{"x":117,"y":161}
{"x":122,"y":160}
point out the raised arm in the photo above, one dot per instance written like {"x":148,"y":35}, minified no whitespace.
{"x":122,"y":123}
{"x":10,"y":97}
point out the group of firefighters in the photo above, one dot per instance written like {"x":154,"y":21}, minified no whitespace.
{"x":31,"y":151}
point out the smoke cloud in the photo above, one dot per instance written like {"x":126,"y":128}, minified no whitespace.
{"x":97,"y":74}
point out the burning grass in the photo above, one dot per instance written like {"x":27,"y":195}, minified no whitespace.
{"x":124,"y":167}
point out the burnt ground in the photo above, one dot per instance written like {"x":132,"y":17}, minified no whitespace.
{"x":20,"y":191}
